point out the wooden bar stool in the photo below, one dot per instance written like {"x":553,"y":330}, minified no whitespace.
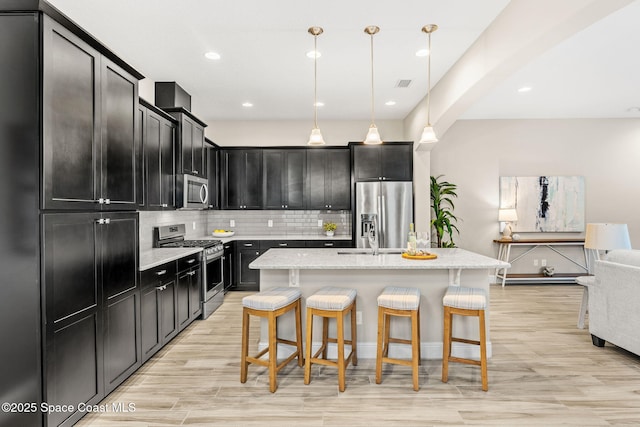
{"x":403,"y":302}
{"x":328,"y":303}
{"x":464,"y":302}
{"x":271,"y":304}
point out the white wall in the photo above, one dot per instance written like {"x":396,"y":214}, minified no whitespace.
{"x":475,"y":153}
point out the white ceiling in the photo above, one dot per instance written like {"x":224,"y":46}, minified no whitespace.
{"x":263,"y":45}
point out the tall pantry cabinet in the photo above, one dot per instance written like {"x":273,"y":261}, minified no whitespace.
{"x":69,"y":301}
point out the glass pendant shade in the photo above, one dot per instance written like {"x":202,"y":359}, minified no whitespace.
{"x":373,"y":137}
{"x":316,"y":137}
{"x":428,"y":135}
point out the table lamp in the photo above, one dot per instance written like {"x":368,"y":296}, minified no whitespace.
{"x":507,"y":216}
{"x":606,"y":237}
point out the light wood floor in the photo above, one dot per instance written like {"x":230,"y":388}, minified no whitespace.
{"x":544,"y":371}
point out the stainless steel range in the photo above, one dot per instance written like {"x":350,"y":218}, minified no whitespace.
{"x":173,"y":236}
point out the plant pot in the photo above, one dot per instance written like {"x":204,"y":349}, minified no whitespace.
{"x":329,"y":233}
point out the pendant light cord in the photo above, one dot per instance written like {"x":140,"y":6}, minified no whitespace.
{"x":372,"y":93}
{"x":429,"y":83}
{"x":315,"y":81}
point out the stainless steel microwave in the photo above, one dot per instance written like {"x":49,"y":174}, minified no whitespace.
{"x":192,"y":192}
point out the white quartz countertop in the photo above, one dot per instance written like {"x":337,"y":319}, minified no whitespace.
{"x":155,"y":257}
{"x":348,"y":259}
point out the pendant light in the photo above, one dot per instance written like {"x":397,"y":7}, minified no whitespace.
{"x":428,"y":134}
{"x":316,"y":136}
{"x":373,"y":137}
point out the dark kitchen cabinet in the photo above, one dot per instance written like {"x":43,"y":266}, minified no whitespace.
{"x":329,"y":243}
{"x":283,"y":182}
{"x":189,"y":290}
{"x":391,"y":161}
{"x":228,"y":270}
{"x":158,"y":179}
{"x":89,"y":106}
{"x":92,"y":337}
{"x":268,"y":244}
{"x":212,"y":167}
{"x":241,"y":178}
{"x":158,"y":314}
{"x":189,"y":148}
{"x":328,"y":178}
{"x":246,"y":278}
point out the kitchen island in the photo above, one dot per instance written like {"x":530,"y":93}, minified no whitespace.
{"x":312,"y":269}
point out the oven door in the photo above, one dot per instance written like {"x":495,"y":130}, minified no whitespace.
{"x":213,"y":284}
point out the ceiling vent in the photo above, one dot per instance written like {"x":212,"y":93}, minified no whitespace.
{"x":403,"y":83}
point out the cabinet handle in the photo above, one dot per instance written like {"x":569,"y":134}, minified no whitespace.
{"x":100,"y":201}
{"x":161,"y":272}
{"x":164,"y":205}
{"x":192,"y":273}
{"x":257,"y":253}
{"x":100,"y":221}
{"x":195,"y":172}
{"x":161,"y":288}
{"x":107,"y":220}
{"x":283,"y":245}
{"x":248,"y":245}
{"x":191,"y":261}
{"x":328,"y":244}
{"x":329,"y":205}
{"x":107,"y":201}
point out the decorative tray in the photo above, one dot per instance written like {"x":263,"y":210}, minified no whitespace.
{"x":223,"y":233}
{"x":423,"y":256}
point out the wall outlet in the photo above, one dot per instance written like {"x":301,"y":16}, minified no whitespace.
{"x":194,"y":225}
{"x":358,"y":318}
{"x":232,"y":223}
{"x":319,"y":223}
{"x":535,"y":262}
{"x":543,"y":262}
{"x":270,"y":223}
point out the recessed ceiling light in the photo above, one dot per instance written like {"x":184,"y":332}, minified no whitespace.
{"x":525,"y":89}
{"x":247,"y":104}
{"x":314,"y":54}
{"x":214,"y":56}
{"x":390,"y":103}
{"x":422,"y":52}
{"x":319,"y":104}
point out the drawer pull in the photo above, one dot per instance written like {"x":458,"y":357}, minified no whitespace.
{"x":161,"y":272}
{"x":192,"y":273}
{"x":191,"y":261}
{"x":248,"y":245}
{"x":284,"y":245}
{"x":161,"y":288}
{"x":328,"y":244}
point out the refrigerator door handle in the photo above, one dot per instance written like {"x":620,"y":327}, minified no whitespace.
{"x":383,"y":220}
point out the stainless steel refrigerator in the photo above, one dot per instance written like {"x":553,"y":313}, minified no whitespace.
{"x":392,"y":203}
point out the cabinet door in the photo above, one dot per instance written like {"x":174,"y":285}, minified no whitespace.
{"x":119,"y":253}
{"x":186,"y":143}
{"x":168,"y":311}
{"x":366,"y":163}
{"x":195,"y":293}
{"x":252,"y":185}
{"x":228,"y":266}
{"x":119,"y":92}
{"x":396,"y":162}
{"x":167,"y":165}
{"x":316,"y":184}
{"x":153,"y":163}
{"x":294,"y":169}
{"x":150,"y":334}
{"x":183,"y":299}
{"x":339,"y":179}
{"x":273,"y":181}
{"x":141,"y":181}
{"x":197,"y":147}
{"x":71,"y":120}
{"x":247,"y":279}
{"x":232,"y":178}
{"x":122,"y":352}
{"x":211,"y":156}
{"x":73,"y":355}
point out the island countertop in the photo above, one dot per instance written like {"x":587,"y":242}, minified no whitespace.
{"x":388,"y":259}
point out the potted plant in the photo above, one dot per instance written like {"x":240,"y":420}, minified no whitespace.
{"x":329,"y":228}
{"x":443,"y":219}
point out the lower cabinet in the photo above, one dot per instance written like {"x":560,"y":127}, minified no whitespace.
{"x":91,"y":308}
{"x":189,"y":290}
{"x":158,"y":314}
{"x":246,"y":252}
{"x":329,"y":243}
{"x":228,"y":263}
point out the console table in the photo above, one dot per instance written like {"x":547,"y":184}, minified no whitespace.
{"x":504,"y":253}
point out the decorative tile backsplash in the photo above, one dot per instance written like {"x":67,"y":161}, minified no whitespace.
{"x":284,"y":222}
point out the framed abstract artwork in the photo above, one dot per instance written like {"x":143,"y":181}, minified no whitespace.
{"x":544,"y":203}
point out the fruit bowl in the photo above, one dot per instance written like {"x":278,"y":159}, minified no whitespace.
{"x":223,"y":233}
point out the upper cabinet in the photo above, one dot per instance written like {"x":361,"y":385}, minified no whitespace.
{"x":328,"y":182}
{"x":391,"y":161}
{"x":212,"y":168}
{"x":189,"y":143}
{"x":90,"y":106}
{"x":157,"y":184}
{"x":241,"y":178}
{"x":284,"y":173}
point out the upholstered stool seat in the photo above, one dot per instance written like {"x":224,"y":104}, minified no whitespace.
{"x":271,"y":304}
{"x":402,"y":302}
{"x":464,"y":302}
{"x":331,"y":303}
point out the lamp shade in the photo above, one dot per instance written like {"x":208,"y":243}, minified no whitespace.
{"x":373,"y":136}
{"x":428,"y":135}
{"x":507,"y":215}
{"x":603,"y":236}
{"x":316,"y":137}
